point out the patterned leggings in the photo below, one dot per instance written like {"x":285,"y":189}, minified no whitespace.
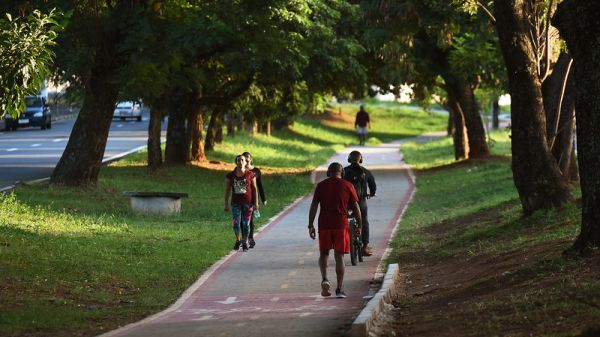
{"x":242,"y":214}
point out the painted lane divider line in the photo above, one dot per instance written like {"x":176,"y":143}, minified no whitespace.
{"x":318,"y":298}
{"x":229,"y":300}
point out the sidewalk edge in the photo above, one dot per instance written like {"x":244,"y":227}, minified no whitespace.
{"x":361,"y":325}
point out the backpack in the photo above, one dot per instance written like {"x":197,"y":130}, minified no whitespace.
{"x":358,"y":178}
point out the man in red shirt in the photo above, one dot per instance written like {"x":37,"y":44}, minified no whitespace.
{"x":335,"y":195}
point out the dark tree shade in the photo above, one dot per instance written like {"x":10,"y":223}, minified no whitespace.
{"x":579,"y":25}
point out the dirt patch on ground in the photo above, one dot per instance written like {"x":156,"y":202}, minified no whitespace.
{"x":335,"y":116}
{"x":529,"y":291}
{"x":466,"y":163}
{"x":219,"y":166}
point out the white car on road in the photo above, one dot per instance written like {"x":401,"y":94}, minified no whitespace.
{"x":128,"y":109}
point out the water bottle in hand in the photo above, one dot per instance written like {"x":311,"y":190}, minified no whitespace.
{"x":256,"y":214}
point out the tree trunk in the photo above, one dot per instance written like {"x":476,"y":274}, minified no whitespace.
{"x":268,"y":127}
{"x":241,"y":123}
{"x":559,"y":105}
{"x":219,"y":130}
{"x":177,"y":148}
{"x":80,"y":163}
{"x":197,"y":126}
{"x":495,"y":114}
{"x":450,"y":128}
{"x":478,"y":147}
{"x":579,"y":26}
{"x":230,"y":125}
{"x":460,"y":139}
{"x":211,"y":132}
{"x":463,"y":94}
{"x":254,"y":129}
{"x":535,"y":172}
{"x":155,"y":160}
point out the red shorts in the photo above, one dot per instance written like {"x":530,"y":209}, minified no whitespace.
{"x":336,"y":239}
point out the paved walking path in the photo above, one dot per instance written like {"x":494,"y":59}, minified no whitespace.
{"x":274,"y":289}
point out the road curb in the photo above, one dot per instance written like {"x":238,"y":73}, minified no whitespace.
{"x":389,"y":289}
{"x":105,"y":161}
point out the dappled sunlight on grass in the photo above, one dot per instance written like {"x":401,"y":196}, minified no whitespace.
{"x":38,"y":218}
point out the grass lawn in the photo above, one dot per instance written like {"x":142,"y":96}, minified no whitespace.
{"x":473,"y":266}
{"x":80,"y":262}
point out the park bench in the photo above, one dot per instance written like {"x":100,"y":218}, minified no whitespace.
{"x":156,"y":202}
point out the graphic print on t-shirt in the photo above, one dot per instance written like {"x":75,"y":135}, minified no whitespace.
{"x":239,"y":186}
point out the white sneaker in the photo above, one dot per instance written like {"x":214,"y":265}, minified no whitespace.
{"x":325,"y":288}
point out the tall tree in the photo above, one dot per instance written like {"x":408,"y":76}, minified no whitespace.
{"x":579,"y":26}
{"x":536,"y":174}
{"x":90,"y":58}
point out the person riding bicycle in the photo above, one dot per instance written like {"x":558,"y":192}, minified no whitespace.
{"x":361,"y":179}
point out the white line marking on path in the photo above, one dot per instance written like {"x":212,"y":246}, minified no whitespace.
{"x":36,"y":145}
{"x":229,"y":300}
{"x":203,"y":318}
{"x":284,"y":286}
{"x":275,"y":299}
{"x":318,"y":298}
{"x":300,"y":261}
{"x":305,"y":314}
{"x":11,"y":149}
{"x":56,"y":140}
{"x":292,"y":273}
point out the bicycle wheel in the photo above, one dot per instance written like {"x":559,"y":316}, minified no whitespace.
{"x":353,"y":252}
{"x":359,"y":249}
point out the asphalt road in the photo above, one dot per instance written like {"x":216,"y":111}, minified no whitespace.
{"x":31,"y":153}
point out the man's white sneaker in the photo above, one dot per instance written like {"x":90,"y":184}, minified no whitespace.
{"x":325,"y":288}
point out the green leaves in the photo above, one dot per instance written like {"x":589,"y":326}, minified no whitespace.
{"x":25,"y":57}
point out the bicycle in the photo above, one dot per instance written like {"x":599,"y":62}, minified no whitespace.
{"x":356,"y":245}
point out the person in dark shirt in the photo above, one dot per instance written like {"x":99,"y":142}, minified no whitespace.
{"x":261,"y":192}
{"x":361,"y":123}
{"x":361,"y":178}
{"x":240,"y":184}
{"x":335,"y":196}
